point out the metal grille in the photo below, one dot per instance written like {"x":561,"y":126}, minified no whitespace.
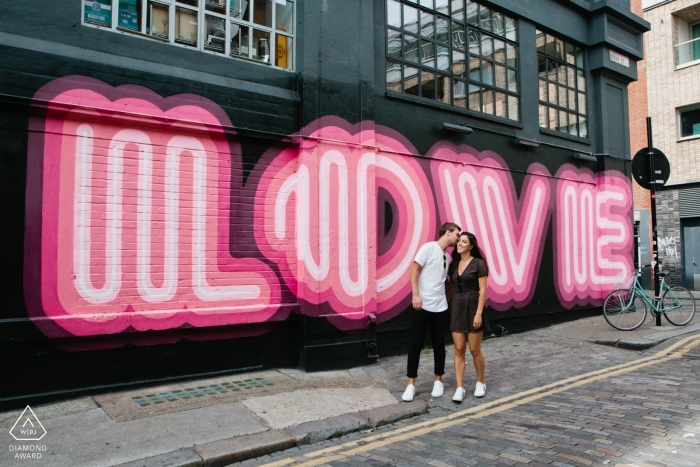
{"x":200,"y":391}
{"x":689,"y":202}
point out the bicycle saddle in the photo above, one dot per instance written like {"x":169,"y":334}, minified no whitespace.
{"x":664,"y":273}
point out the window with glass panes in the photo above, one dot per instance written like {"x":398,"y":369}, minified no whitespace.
{"x":260,"y":30}
{"x":456,"y":52}
{"x":689,"y":122}
{"x":562,"y":86}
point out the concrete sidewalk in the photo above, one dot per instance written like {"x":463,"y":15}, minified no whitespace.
{"x":597,"y":330}
{"x":213,"y":421}
{"x":219,"y":421}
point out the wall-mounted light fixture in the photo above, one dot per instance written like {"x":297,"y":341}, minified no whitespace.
{"x":457,"y":128}
{"x":527,"y":142}
{"x":585,"y":157}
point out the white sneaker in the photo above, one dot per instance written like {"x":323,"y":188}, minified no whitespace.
{"x":438,"y":389}
{"x":480,"y":390}
{"x":409,"y":393}
{"x":459,"y":395}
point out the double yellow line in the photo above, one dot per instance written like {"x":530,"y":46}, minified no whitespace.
{"x":349,"y":449}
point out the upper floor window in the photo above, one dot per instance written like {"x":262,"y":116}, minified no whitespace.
{"x":562,"y":86}
{"x":688,"y":48}
{"x":457,"y":52}
{"x":689,"y":122}
{"x":260,"y":30}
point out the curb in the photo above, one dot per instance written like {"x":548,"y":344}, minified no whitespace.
{"x":629,"y":343}
{"x":227,"y":451}
{"x":651,"y":340}
{"x":636,"y":343}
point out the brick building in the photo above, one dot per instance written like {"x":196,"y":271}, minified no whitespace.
{"x":672,"y":87}
{"x":193,"y":187}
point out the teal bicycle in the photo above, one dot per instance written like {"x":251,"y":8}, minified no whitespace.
{"x":626,"y":308}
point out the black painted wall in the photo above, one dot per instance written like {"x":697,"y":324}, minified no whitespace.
{"x":340,"y":71}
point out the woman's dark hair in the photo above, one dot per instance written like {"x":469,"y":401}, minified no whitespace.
{"x":475,"y":252}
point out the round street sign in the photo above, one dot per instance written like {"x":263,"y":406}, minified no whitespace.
{"x":641,"y":172}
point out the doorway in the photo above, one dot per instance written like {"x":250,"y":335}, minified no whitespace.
{"x":690,"y":231}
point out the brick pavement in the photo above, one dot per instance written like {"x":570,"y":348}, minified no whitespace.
{"x":646,"y":417}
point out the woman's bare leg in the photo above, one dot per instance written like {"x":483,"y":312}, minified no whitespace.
{"x":460,"y":342}
{"x":474,"y":339}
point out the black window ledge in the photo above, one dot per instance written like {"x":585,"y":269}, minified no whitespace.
{"x":440,"y":105}
{"x":559,"y":134}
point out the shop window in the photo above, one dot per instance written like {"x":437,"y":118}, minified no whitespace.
{"x":129,"y":16}
{"x":158,"y":20}
{"x":258,"y":30}
{"x":689,"y":122}
{"x":457,"y":52}
{"x":98,"y":12}
{"x":216,"y":34}
{"x":261,"y":45}
{"x":562,"y":86}
{"x":186,"y":26}
{"x":239,"y":40}
{"x":263,"y":12}
{"x":285,"y":46}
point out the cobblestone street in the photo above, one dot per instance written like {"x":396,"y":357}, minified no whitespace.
{"x":550,"y":401}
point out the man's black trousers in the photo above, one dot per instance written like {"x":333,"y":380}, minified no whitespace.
{"x":421,"y":321}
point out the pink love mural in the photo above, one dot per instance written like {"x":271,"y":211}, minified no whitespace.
{"x":129,"y":225}
{"x":476,"y":191}
{"x":137,"y":218}
{"x":592,"y":234}
{"x":318,"y":201}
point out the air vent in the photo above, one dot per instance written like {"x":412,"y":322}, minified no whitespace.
{"x":689,"y":202}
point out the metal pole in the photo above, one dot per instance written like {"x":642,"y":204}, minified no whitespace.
{"x":654,"y":235}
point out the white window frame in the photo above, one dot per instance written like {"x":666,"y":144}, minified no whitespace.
{"x":680,"y":127}
{"x":684,"y":31}
{"x":202,"y":33}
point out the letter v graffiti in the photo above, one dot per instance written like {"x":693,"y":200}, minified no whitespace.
{"x":476,"y":191}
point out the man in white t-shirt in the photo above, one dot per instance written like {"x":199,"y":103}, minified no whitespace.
{"x":428,"y":274}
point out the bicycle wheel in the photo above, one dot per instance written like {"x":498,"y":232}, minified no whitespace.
{"x":624,"y":309}
{"x":683,"y":305}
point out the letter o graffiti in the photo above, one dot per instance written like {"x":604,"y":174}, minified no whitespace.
{"x":329,"y":189}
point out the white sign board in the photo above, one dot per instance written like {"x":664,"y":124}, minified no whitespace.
{"x":619,"y":59}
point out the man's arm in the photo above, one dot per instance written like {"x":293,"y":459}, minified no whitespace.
{"x":415,"y":272}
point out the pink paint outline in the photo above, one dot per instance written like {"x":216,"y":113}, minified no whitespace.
{"x":591,"y":293}
{"x":277,"y":166}
{"x":465,"y":159}
{"x":42,"y":244}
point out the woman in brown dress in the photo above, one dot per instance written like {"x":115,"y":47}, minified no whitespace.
{"x":468,"y":273}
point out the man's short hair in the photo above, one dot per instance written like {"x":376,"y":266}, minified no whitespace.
{"x":448,"y":226}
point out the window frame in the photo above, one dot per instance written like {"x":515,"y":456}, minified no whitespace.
{"x":690,"y":29}
{"x":202,"y":13}
{"x":691,"y":25}
{"x":446,"y":13}
{"x":679,"y":111}
{"x":683,"y":30}
{"x":557,"y":106}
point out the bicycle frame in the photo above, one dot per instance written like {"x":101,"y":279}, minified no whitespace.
{"x":654,"y":302}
